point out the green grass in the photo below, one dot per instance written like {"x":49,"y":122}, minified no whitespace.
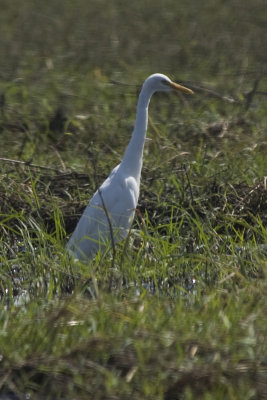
{"x":140,"y":347}
{"x":180,"y":312}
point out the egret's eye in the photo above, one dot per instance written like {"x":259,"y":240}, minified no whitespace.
{"x":164,"y":82}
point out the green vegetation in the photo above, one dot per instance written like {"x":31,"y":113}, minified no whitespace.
{"x":181,"y":312}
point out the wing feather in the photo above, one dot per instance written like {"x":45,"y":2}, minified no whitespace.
{"x":92,"y":233}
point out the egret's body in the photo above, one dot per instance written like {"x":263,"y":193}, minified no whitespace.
{"x":118,"y":195}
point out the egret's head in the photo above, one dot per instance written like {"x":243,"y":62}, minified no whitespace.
{"x":161,"y":83}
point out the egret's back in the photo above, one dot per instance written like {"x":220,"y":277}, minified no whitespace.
{"x":93,"y":232}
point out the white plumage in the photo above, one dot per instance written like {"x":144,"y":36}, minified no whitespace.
{"x":120,"y":191}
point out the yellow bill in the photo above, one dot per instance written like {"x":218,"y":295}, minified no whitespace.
{"x":180,"y":88}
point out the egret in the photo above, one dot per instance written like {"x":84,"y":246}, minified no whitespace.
{"x":110,"y":212}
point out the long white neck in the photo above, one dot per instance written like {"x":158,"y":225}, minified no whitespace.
{"x":133,"y":158}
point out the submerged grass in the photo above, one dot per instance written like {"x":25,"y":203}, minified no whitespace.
{"x":180,"y":312}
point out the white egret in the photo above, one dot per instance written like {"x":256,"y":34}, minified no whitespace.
{"x":110,"y":212}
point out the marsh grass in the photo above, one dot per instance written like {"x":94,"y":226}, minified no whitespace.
{"x":179,"y":312}
{"x":182,"y":305}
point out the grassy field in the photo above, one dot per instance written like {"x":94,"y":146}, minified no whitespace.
{"x":180,"y":313}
